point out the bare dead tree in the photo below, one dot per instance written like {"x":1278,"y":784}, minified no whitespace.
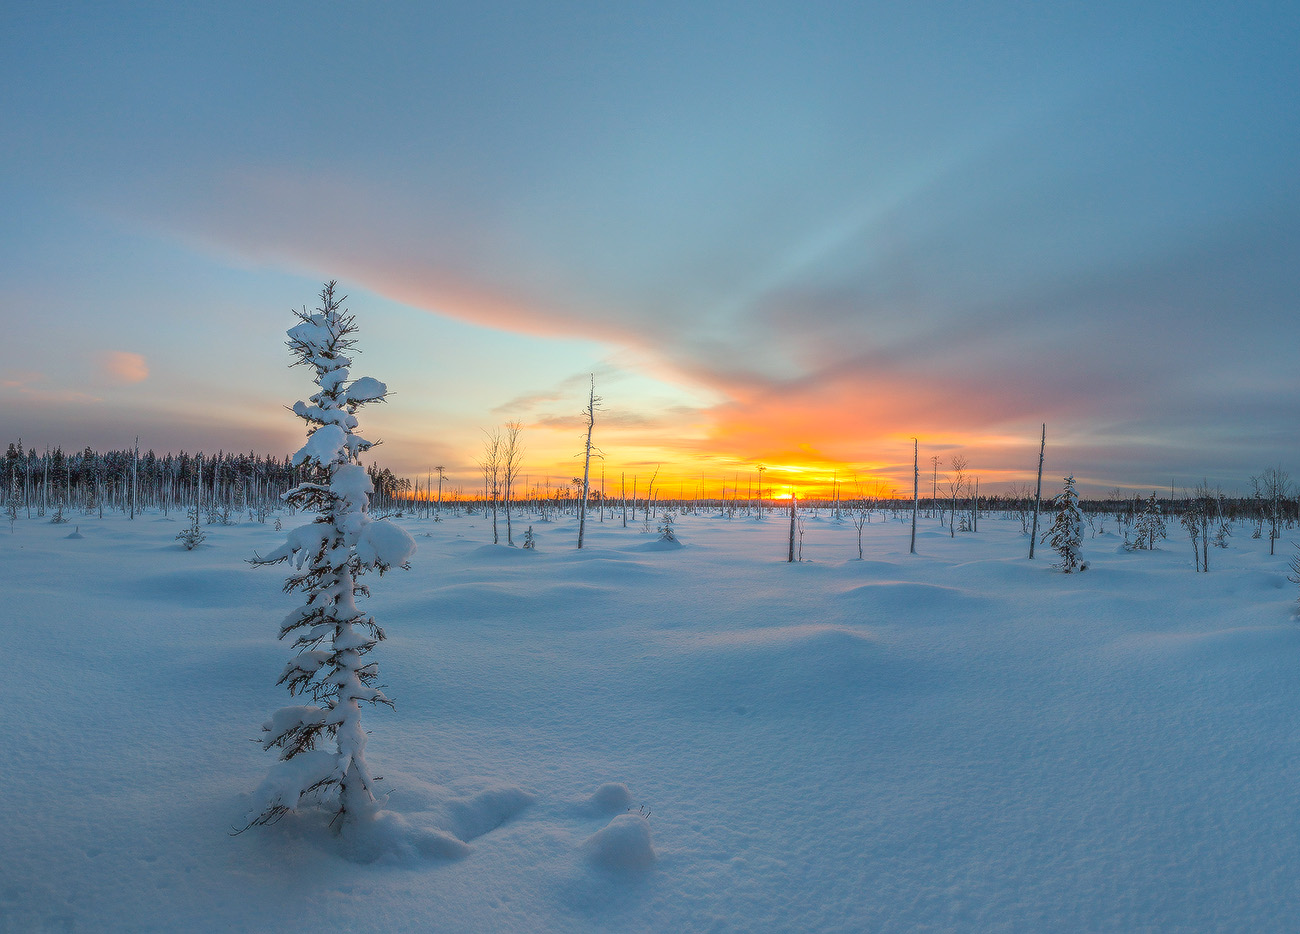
{"x":1274,"y":486}
{"x":593,"y":403}
{"x":1038,"y":494}
{"x":793,"y":507}
{"x":934,"y":483}
{"x":649,"y":493}
{"x":956,"y":483}
{"x":512,"y":455}
{"x":916,"y":490}
{"x":491,"y":467}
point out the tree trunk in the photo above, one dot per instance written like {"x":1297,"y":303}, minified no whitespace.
{"x":793,"y":500}
{"x":1038,"y":495}
{"x":586,"y":462}
{"x":916,"y":490}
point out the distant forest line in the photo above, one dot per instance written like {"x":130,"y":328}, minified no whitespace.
{"x":37,"y":483}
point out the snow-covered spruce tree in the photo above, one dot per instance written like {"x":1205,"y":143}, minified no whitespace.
{"x":11,"y":507}
{"x":666,"y":531}
{"x":1294,"y":576}
{"x":332,"y":636}
{"x":1148,"y":526}
{"x":1066,"y":533}
{"x":192,"y":536}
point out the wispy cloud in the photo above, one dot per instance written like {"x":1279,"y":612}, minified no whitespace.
{"x":123,"y":366}
{"x":31,"y":388}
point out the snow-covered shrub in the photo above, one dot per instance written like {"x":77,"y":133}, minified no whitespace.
{"x":1066,"y":533}
{"x":530,"y":541}
{"x":1193,"y":520}
{"x":329,"y":556}
{"x":1148,"y":526}
{"x":11,"y":506}
{"x":1224,"y":531}
{"x":192,"y":536}
{"x":666,"y":531}
{"x":1294,"y":576}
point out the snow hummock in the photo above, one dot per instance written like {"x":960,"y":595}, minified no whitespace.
{"x":611,"y":796}
{"x":623,"y":843}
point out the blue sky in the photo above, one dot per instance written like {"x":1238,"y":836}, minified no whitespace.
{"x":795,"y":234}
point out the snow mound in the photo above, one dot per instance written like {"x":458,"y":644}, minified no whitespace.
{"x":473,"y":816}
{"x":609,"y":797}
{"x":212,"y":588}
{"x":75,"y":534}
{"x":802,"y":667}
{"x":932,"y":603}
{"x":501,"y":552}
{"x":1219,"y":646}
{"x":1251,"y":581}
{"x":622,"y":844}
{"x":388,"y":837}
{"x":815,"y":635}
{"x":658,"y":544}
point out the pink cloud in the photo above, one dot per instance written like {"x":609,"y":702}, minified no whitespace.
{"x":122,"y":366}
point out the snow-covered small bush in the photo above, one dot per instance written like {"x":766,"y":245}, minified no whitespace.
{"x":329,"y":556}
{"x":666,"y":531}
{"x":1294,"y":576}
{"x":1224,"y":531}
{"x":1149,"y":526}
{"x":1193,"y":520}
{"x":530,"y":541}
{"x":11,"y":507}
{"x":192,"y":536}
{"x":1066,"y":533}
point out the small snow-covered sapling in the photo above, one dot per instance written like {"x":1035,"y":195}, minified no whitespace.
{"x":192,"y":536}
{"x":667,"y":533}
{"x":332,"y":635}
{"x":1066,"y":533}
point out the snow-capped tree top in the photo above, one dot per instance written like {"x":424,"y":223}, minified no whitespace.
{"x":313,"y":333}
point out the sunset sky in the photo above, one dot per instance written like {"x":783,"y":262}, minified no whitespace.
{"x":794,"y":234}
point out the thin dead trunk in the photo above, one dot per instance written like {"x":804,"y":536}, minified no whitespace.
{"x":1038,"y":495}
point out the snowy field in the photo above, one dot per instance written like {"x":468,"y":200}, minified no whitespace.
{"x":961,"y":740}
